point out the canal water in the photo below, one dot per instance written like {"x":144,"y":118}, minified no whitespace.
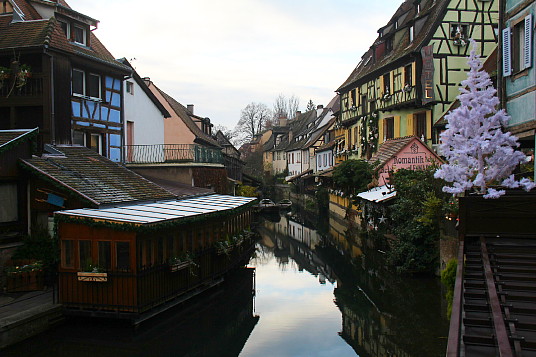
{"x":305,"y":293}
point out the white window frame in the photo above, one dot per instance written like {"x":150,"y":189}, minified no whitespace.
{"x":68,"y":34}
{"x":83,"y":94}
{"x":129,"y":87}
{"x":100,"y":84}
{"x":84,"y":39}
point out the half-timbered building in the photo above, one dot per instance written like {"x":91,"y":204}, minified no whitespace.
{"x":410,"y":75}
{"x":56,"y":75}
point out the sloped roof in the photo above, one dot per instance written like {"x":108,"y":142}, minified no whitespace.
{"x":431,"y":12}
{"x":141,"y":83}
{"x":186,"y":117}
{"x":47,"y":33}
{"x":392,"y":147}
{"x":8,"y":138}
{"x":95,"y":177}
{"x":299,"y":127}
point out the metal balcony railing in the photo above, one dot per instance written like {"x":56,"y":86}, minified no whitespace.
{"x":171,"y":153}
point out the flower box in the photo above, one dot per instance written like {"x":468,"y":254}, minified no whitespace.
{"x":25,"y":281}
{"x":94,"y":277}
{"x":175,"y":267}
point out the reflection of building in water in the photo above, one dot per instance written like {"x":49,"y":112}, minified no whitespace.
{"x":382,"y":314}
{"x":291,"y":238}
{"x":215,"y":324}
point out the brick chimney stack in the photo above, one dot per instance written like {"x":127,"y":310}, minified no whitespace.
{"x":190,"y":108}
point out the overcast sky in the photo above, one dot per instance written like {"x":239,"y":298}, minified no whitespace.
{"x":221,"y":55}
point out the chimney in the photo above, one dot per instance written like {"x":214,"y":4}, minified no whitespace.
{"x":298,"y":112}
{"x":190,"y":108}
{"x":283,"y":120}
{"x":319,"y":106}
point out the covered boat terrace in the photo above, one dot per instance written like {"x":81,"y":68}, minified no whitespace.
{"x":133,"y":261}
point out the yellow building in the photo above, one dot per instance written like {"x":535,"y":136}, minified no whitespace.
{"x":411,"y":74}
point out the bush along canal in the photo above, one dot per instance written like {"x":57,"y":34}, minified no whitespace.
{"x":303,"y":294}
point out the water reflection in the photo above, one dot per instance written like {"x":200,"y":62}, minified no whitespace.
{"x":383,"y":314}
{"x":217,"y":324}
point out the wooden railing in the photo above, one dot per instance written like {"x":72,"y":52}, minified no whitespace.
{"x":33,"y":86}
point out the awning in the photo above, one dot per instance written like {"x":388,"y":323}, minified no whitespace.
{"x":161,"y":211}
{"x":378,"y":194}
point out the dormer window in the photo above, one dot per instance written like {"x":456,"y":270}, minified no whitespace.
{"x":79,"y":35}
{"x":411,"y":33}
{"x":389,"y":45}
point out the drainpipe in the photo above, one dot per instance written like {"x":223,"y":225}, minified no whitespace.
{"x":52,"y":99}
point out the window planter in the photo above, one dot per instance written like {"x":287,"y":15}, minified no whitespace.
{"x":94,"y":277}
{"x":175,"y":267}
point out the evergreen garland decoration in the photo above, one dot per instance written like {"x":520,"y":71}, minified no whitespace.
{"x":369,"y":133}
{"x":152,"y":227}
{"x":24,"y":137}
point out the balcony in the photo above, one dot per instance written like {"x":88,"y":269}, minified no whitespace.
{"x":31,"y":87}
{"x":172,"y":153}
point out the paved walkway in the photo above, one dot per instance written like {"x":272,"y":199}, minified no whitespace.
{"x":15,"y":303}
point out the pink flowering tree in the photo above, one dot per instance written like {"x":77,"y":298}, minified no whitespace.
{"x":479,"y":153}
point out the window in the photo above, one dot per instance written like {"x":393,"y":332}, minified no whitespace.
{"x":122,"y":252}
{"x":387,"y":83}
{"x":130,"y":87}
{"x":389,"y":129}
{"x":408,"y":75}
{"x":67,"y":259}
{"x":105,"y":259}
{"x":78,"y":84}
{"x":389,"y":45}
{"x":8,"y":202}
{"x":363,"y":104}
{"x":420,"y":125}
{"x":411,"y":33}
{"x":522,"y":41}
{"x":95,"y":142}
{"x":459,"y":33}
{"x":65,"y":28}
{"x":79,"y":35}
{"x":517,"y":46}
{"x":84,"y":252}
{"x":353,"y":96}
{"x":94,"y":85}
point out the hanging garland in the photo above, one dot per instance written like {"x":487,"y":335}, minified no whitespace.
{"x":20,"y":140}
{"x":150,"y":228}
{"x":368,"y":129}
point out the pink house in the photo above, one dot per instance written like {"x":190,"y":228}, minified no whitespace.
{"x":408,"y":152}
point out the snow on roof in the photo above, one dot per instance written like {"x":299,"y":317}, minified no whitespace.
{"x":378,"y":194}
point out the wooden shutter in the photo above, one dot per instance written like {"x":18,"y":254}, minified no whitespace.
{"x":527,"y":42}
{"x":506,"y":53}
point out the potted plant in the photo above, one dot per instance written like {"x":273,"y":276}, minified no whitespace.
{"x":23,"y":74}
{"x":24,"y":275}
